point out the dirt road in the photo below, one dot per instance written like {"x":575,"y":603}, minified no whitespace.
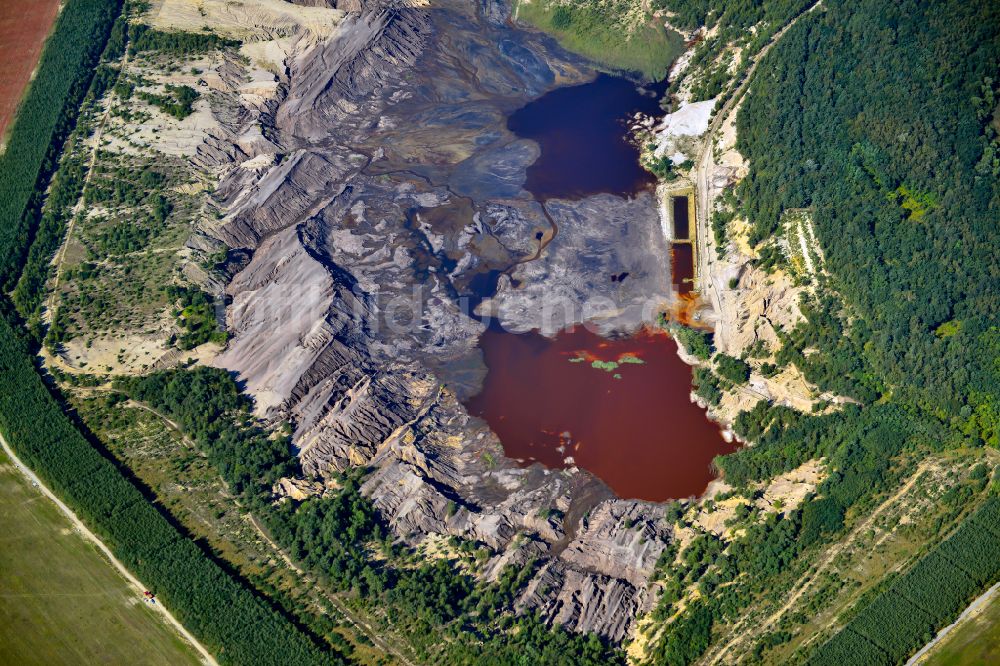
{"x":90,"y":536}
{"x":705,"y":191}
{"x":95,"y":142}
{"x":805,"y":584}
{"x":973,"y":609}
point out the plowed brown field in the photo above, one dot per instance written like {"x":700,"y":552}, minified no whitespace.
{"x":24,"y":25}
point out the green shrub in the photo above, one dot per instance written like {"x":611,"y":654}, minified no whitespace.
{"x":176,"y":42}
{"x":695,"y":342}
{"x":562,"y":17}
{"x":732,"y":369}
{"x":706,"y":386}
{"x":177,"y":102}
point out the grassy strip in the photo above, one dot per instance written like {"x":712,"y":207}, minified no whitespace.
{"x":927,"y":597}
{"x":596,"y":33}
{"x":101,"y":623}
{"x":234,"y":624}
{"x":44,"y":120}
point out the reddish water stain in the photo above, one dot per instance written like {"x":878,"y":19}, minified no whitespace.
{"x":632,"y":425}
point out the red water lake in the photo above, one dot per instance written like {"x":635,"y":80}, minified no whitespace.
{"x":617,"y":408}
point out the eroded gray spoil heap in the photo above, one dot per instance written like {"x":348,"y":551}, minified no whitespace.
{"x":383,"y":175}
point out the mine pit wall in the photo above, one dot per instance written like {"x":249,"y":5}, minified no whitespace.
{"x":321,"y":217}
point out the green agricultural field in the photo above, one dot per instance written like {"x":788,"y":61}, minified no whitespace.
{"x":595,"y":31}
{"x":61,"y":602}
{"x":976,"y":641}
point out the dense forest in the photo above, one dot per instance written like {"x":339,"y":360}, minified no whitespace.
{"x":879,"y":118}
{"x":871,"y":115}
{"x":175,"y":43}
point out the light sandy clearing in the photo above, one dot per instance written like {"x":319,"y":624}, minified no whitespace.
{"x":687,"y":122}
{"x":246,"y":20}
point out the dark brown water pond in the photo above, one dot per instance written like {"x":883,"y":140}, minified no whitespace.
{"x":617,"y":408}
{"x":682,"y":229}
{"x":584,"y":136}
{"x":682,"y":267}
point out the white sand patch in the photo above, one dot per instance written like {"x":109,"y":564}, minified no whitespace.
{"x":675,"y":134}
{"x":717,"y":521}
{"x":170,"y":136}
{"x":269,"y":56}
{"x":123,"y":354}
{"x":689,"y":120}
{"x":663,"y":211}
{"x":262,"y":161}
{"x":152,"y":128}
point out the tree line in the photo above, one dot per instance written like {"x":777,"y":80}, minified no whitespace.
{"x":928,"y":596}
{"x":237,"y":626}
{"x":447,"y":615}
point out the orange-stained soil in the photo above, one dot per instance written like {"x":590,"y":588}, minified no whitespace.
{"x":685,"y":309}
{"x":632,"y":424}
{"x":24,"y":25}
